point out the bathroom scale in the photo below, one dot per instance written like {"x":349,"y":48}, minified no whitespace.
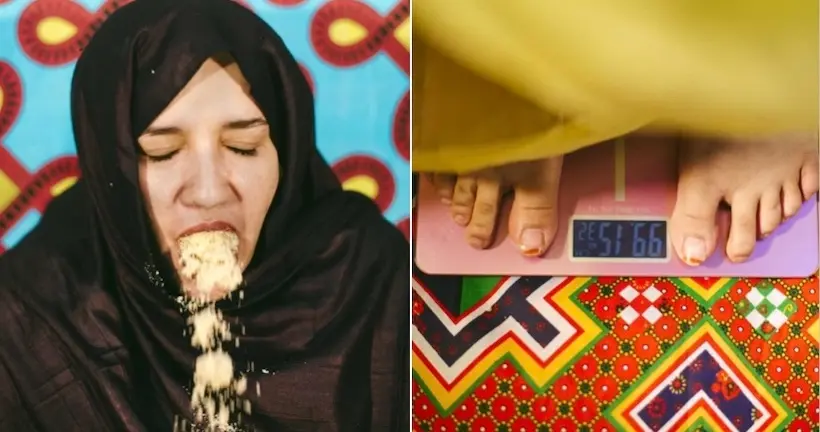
{"x":614,"y":208}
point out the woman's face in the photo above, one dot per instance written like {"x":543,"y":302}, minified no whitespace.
{"x":208,"y":162}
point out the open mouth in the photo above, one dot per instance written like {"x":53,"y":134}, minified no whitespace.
{"x":208,"y":259}
{"x":208,"y":226}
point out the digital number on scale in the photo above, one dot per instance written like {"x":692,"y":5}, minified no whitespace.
{"x":614,"y":239}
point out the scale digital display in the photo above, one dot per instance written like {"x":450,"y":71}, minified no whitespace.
{"x":619,"y":239}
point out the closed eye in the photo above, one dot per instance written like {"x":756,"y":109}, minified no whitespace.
{"x":243,"y":152}
{"x":161,"y":158}
{"x":170,"y":155}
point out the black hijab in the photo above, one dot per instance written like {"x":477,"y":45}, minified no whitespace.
{"x":326,"y":300}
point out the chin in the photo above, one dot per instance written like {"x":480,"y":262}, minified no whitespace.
{"x":243,"y":259}
{"x":245,"y":253}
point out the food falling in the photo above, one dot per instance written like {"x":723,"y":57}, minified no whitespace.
{"x":209,"y":260}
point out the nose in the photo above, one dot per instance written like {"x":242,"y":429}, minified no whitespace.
{"x":208,"y":184}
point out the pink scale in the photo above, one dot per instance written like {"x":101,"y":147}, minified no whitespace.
{"x":615,"y":203}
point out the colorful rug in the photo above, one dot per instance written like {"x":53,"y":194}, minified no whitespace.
{"x":354,"y":53}
{"x":614,"y":354}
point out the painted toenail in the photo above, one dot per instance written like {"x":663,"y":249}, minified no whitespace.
{"x":694,"y":251}
{"x":532,"y":242}
{"x":461,"y":220}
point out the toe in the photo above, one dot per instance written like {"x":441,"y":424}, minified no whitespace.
{"x":534,"y":214}
{"x":743,"y":231}
{"x":444,"y":185}
{"x":481,"y":228}
{"x":792,"y":199}
{"x":809,"y":179}
{"x":770,"y":212}
{"x":693,"y":227}
{"x":464,"y":193}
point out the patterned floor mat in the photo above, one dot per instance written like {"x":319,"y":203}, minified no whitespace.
{"x":615,"y":354}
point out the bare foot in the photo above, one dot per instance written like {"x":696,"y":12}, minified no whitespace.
{"x":765,"y":181}
{"x":475,"y":201}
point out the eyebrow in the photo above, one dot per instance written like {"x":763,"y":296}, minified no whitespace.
{"x":246,"y":124}
{"x":233,"y":125}
{"x":158,"y":131}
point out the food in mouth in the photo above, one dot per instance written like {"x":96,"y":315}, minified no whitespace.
{"x":209,"y":259}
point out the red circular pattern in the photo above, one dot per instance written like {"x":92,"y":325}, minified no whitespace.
{"x":308,"y":77}
{"x":379,"y":30}
{"x":361,"y":165}
{"x":286,"y":3}
{"x":343,"y":56}
{"x":12,"y":89}
{"x":404,"y":227}
{"x":401,"y":127}
{"x":37,"y":193}
{"x":40,"y":52}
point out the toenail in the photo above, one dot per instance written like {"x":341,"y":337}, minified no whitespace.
{"x":476,"y":242}
{"x":461,"y":220}
{"x":694,"y":251}
{"x":532,"y":242}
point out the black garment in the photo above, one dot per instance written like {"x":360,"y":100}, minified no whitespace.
{"x":90,"y":336}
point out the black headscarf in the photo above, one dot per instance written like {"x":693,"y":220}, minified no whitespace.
{"x":326,"y":298}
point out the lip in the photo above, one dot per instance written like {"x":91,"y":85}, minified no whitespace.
{"x":208,"y":226}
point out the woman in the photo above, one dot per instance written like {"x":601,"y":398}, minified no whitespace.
{"x":502,"y":90}
{"x":191,"y":114}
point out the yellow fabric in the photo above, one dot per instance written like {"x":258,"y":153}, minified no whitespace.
{"x":498,"y":81}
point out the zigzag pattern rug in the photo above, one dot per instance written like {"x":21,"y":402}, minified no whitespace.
{"x":614,"y":354}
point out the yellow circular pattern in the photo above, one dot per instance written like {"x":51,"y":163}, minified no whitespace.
{"x":62,"y":185}
{"x":362,"y":184}
{"x":346,"y":32}
{"x":55,"y":30}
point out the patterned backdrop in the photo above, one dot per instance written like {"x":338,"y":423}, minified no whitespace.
{"x":354,"y":53}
